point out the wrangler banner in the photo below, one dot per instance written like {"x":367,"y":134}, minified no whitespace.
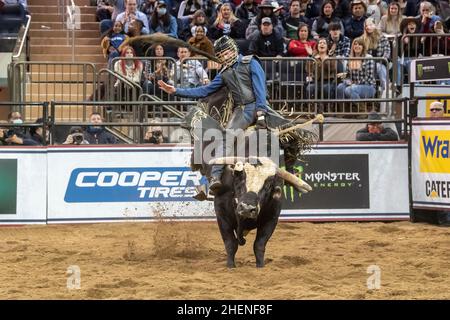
{"x":431,"y":164}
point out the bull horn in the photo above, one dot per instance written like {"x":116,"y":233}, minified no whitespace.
{"x":227,"y":160}
{"x":318,"y":118}
{"x":295,"y":181}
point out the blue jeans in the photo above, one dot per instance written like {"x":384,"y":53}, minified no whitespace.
{"x":355,"y":91}
{"x":328,"y":90}
{"x":382,"y":75}
{"x":241,"y":118}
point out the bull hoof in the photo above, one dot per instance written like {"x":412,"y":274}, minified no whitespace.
{"x":241,"y":241}
{"x":260,"y":265}
{"x":231,"y":265}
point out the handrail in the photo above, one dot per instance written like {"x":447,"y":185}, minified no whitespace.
{"x":24,"y":38}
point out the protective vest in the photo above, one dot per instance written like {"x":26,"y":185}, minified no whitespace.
{"x":238,"y":80}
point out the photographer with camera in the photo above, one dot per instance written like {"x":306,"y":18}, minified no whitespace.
{"x":155,"y":135}
{"x":15,"y":135}
{"x":76,"y":136}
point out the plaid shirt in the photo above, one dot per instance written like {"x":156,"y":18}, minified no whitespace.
{"x":342,"y":46}
{"x":365,"y":75}
{"x":383,"y":49}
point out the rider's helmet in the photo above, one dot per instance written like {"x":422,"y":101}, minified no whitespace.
{"x":226,"y":50}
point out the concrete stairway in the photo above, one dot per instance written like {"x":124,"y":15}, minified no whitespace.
{"x":50,"y":42}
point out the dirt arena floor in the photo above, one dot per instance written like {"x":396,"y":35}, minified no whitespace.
{"x":173,"y":260}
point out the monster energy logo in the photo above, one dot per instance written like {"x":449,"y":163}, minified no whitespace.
{"x":289,"y":190}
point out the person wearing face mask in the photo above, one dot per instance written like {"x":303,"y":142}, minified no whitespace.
{"x":15,"y":135}
{"x":96,"y":134}
{"x":132,"y":13}
{"x":162,"y":21}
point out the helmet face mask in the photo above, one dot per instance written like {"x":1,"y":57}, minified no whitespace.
{"x":226,"y":51}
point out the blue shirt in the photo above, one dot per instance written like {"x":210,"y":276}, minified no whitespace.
{"x":258,"y":82}
{"x":140,"y":16}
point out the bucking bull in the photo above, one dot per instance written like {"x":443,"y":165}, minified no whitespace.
{"x":251,"y":196}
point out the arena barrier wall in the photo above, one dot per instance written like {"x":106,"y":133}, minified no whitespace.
{"x":354,"y":182}
{"x":23,"y":185}
{"x":430,"y":164}
{"x":428,"y":91}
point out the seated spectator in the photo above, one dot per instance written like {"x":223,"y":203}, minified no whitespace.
{"x":426,"y":17}
{"x":96,"y":134}
{"x":186,"y":12}
{"x":359,"y":82}
{"x":246,"y":11}
{"x":148,"y":7}
{"x":37,"y":134}
{"x":440,"y":45}
{"x":132,"y":13}
{"x":326,"y":74}
{"x":376,"y":9}
{"x":408,"y":8}
{"x":377,"y":46}
{"x":268,"y":43}
{"x":375,"y":131}
{"x":76,"y":136}
{"x":354,"y":25}
{"x":200,"y":41}
{"x":135,"y":30}
{"x":112,"y":41}
{"x":341,"y":9}
{"x":118,"y":7}
{"x":155,"y":135}
{"x":310,"y":8}
{"x":155,"y":70}
{"x":339,"y":45}
{"x":436,"y":109}
{"x":15,"y":135}
{"x":162,"y":21}
{"x":188,"y":73}
{"x":104,"y":10}
{"x":410,"y":47}
{"x":320,"y":25}
{"x":303,"y":47}
{"x":129,"y":68}
{"x":293,"y":20}
{"x":266,"y":9}
{"x":390,"y":22}
{"x":226,"y":23}
{"x":199,"y":20}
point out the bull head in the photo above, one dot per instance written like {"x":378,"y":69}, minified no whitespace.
{"x":253,"y":173}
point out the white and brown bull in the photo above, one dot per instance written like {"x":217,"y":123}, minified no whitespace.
{"x":251,"y":199}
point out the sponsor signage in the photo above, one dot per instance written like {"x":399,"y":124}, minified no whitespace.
{"x":431,"y":164}
{"x":434,"y":151}
{"x":8,"y":186}
{"x":132,"y":184}
{"x":338,"y":182}
{"x":430,"y":69}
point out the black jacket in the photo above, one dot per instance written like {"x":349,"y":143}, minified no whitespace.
{"x":387,"y":134}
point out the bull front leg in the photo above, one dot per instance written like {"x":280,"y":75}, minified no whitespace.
{"x":229,"y":240}
{"x":263,"y":234}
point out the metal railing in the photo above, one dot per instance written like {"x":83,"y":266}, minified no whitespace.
{"x":22,"y":40}
{"x":43,"y":114}
{"x":45,"y":81}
